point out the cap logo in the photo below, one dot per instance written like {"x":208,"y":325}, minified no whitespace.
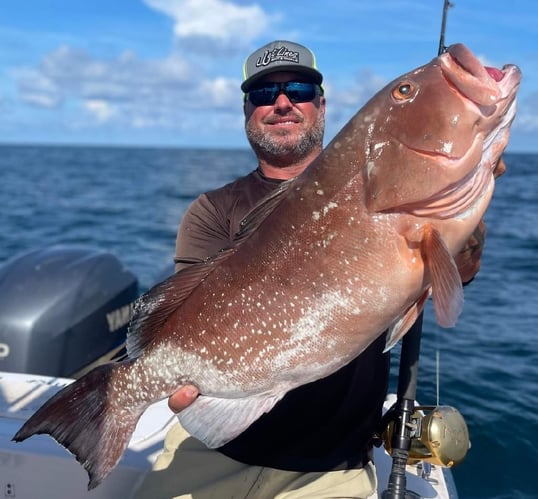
{"x":278,"y":54}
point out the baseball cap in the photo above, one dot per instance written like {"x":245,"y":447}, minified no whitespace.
{"x":279,"y":56}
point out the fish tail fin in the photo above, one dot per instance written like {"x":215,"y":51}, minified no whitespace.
{"x":83,"y":419}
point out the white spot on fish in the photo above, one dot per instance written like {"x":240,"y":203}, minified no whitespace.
{"x":330,"y":206}
{"x":369,"y":167}
{"x":447,"y":147}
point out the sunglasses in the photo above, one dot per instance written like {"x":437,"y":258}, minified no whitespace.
{"x":295,"y":91}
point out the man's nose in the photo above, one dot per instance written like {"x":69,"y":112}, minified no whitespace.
{"x":282,"y":101}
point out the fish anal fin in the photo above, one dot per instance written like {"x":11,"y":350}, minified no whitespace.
{"x":216,"y":421}
{"x":447,"y":290}
{"x":405,"y":322}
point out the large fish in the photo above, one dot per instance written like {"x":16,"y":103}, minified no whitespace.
{"x":352,"y":247}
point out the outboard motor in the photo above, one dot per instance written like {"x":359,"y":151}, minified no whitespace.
{"x":62,"y":309}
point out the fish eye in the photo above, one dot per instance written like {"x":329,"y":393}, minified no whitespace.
{"x":403,"y":90}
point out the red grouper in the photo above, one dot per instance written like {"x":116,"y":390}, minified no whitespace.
{"x":322,"y":267}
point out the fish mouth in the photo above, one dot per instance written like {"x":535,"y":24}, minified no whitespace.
{"x":486,"y":86}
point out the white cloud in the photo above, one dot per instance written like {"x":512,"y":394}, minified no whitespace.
{"x":103,"y":111}
{"x":38,"y":89}
{"x":125,"y":87}
{"x":220,"y":92}
{"x":214,"y":24}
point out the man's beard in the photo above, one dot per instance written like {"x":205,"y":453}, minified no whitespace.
{"x":280,"y":152}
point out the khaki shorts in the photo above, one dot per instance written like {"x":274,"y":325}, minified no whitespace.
{"x":188,"y":469}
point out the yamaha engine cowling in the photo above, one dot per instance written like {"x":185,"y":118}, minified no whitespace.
{"x":62,"y":308}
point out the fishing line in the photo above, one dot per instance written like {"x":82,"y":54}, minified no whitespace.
{"x":437,"y":370}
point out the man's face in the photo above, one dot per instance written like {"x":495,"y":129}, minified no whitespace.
{"x":284,"y":129}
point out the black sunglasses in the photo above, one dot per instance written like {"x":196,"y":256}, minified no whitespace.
{"x":295,"y":91}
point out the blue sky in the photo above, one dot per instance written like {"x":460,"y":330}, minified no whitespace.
{"x":167,"y":72}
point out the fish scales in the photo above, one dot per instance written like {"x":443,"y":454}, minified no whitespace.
{"x":327,"y":263}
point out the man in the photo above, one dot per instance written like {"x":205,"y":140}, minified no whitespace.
{"x":316,"y":442}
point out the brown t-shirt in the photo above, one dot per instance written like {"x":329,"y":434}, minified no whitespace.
{"x":321,"y":426}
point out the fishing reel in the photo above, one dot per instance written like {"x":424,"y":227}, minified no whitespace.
{"x":439,"y":436}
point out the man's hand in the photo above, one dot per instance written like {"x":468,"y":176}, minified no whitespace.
{"x":181,"y":399}
{"x":500,"y":168}
{"x":468,"y":259}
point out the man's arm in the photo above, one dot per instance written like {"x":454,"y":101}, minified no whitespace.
{"x":203,"y":232}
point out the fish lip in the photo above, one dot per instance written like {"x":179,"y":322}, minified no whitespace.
{"x":485,"y":86}
{"x":510,"y":81}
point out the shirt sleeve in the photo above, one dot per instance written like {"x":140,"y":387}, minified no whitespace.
{"x":203,"y":232}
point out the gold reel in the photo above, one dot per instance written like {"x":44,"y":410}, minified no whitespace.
{"x":439,"y":437}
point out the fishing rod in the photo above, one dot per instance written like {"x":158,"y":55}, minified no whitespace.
{"x":400,"y":415}
{"x":442,"y":47}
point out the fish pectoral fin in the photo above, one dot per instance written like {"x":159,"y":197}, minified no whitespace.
{"x":404,"y":323}
{"x":216,"y":421}
{"x":447,"y":290}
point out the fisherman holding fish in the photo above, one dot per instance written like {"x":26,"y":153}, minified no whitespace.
{"x":317,"y":441}
{"x":294,"y":280}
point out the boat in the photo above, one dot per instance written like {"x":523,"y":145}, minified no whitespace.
{"x":64,"y":310}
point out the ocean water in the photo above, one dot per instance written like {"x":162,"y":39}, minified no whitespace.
{"x":130,"y":200}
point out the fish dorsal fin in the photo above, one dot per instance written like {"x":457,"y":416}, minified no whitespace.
{"x":447,"y":290}
{"x":154,"y":307}
{"x":216,"y":421}
{"x":261,"y":210}
{"x":404,"y":323}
